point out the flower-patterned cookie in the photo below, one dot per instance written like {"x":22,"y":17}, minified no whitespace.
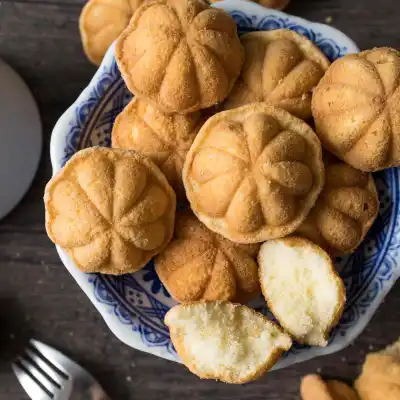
{"x":181,"y":55}
{"x":165,"y":138}
{"x":199,"y":264}
{"x":356,"y":108}
{"x":345,"y":210}
{"x":253,"y":173}
{"x":281,"y":67}
{"x":112,"y":210}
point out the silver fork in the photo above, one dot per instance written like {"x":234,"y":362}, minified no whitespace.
{"x":47,"y":374}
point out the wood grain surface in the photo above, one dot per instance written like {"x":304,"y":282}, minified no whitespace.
{"x":38,"y":298}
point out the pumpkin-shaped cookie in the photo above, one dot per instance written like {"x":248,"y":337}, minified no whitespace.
{"x":112,"y":210}
{"x":312,"y":387}
{"x":181,"y":55}
{"x":380,"y":377}
{"x":165,"y":138}
{"x":356,"y":108}
{"x":277,"y":4}
{"x":281,"y":67}
{"x":101,"y":22}
{"x":253,"y":173}
{"x":199,"y":264}
{"x":345,"y":210}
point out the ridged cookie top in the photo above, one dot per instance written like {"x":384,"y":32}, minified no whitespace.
{"x":380,"y":377}
{"x":281,"y":67}
{"x":181,"y":55}
{"x":253,"y":173}
{"x":112,"y":210}
{"x":101,"y":22}
{"x":345,"y":210}
{"x":199,"y":264}
{"x":165,"y":138}
{"x":356,"y":108}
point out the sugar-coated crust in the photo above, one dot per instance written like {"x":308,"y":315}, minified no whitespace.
{"x":180,"y":348}
{"x":137,"y":258}
{"x":281,"y":67}
{"x":215,"y":70}
{"x":224,"y":270}
{"x":357,"y":227}
{"x":294,"y":241}
{"x":287,"y":122}
{"x":356,"y":109}
{"x":309,"y":49}
{"x":164,"y":138}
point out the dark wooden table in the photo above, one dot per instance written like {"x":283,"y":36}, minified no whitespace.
{"x":38,"y":298}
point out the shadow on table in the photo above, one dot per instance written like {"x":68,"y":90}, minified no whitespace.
{"x":300,"y":7}
{"x":14,"y":332}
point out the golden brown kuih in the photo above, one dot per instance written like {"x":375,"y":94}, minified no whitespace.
{"x":224,"y":341}
{"x":111,"y":210}
{"x":380,"y":377}
{"x":253,"y":173}
{"x":277,"y":4}
{"x":356,"y":108}
{"x":345,"y":210}
{"x":181,"y":55}
{"x":199,"y":264}
{"x":165,"y":138}
{"x":101,"y":22}
{"x":314,"y":388}
{"x":281,"y":67}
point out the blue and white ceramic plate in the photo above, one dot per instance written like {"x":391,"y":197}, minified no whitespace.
{"x":134,"y":305}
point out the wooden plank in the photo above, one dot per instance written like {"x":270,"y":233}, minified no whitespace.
{"x":38,"y":298}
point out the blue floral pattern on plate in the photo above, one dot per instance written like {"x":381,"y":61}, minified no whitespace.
{"x":139,"y":301}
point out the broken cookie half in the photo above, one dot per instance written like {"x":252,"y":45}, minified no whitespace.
{"x":302,"y":288}
{"x":225,"y":341}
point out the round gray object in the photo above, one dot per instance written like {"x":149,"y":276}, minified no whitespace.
{"x":20,"y":138}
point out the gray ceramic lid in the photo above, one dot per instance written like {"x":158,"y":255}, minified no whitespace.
{"x":20,"y":138}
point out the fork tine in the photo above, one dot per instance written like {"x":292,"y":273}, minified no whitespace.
{"x":63,"y":363}
{"x":42,"y":379}
{"x":34,"y":391}
{"x":57,"y":378}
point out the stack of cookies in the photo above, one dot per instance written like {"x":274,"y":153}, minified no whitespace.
{"x":222,"y":125}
